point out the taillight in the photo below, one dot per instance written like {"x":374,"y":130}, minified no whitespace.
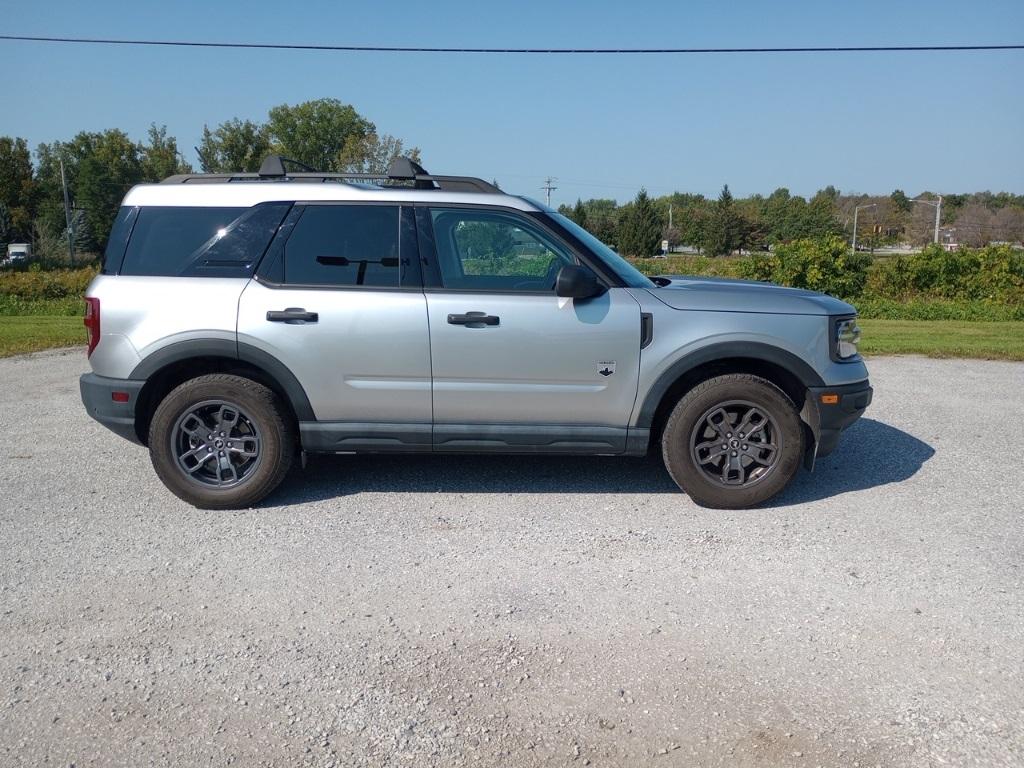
{"x":92,"y":322}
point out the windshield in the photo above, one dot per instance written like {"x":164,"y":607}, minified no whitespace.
{"x":629,"y":274}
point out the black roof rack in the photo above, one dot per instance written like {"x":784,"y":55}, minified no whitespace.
{"x":401,"y":169}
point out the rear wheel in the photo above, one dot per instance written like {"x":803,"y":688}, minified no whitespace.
{"x":221,"y":441}
{"x":733,"y":441}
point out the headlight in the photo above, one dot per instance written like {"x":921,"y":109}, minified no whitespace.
{"x":847,"y":337}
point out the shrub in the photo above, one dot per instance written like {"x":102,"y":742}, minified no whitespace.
{"x":36,"y":285}
{"x":994,"y":273}
{"x":878,"y":308}
{"x":825,"y":265}
{"x":690,"y":265}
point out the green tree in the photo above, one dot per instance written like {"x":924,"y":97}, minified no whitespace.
{"x":689,"y":217}
{"x":777,"y":212}
{"x":370,"y":153}
{"x":726,"y":231}
{"x":315,"y":132}
{"x":160,"y":157}
{"x":100,"y":167}
{"x":18,"y":188}
{"x":640,"y":228}
{"x":234,"y":146}
{"x":6,"y":228}
{"x":579,"y":213}
{"x":900,"y":201}
{"x":820,"y":215}
{"x":603,"y":219}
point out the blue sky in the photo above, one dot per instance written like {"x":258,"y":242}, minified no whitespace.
{"x":948,"y":122}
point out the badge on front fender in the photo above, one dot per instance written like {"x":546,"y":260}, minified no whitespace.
{"x":606,"y":368}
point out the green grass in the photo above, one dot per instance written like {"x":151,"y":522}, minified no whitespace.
{"x":19,"y":335}
{"x":943,"y":338}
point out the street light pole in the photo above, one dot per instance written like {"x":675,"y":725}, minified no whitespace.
{"x":856,"y":208}
{"x":938,"y":212}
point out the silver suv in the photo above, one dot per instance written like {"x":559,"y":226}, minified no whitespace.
{"x":239,"y":320}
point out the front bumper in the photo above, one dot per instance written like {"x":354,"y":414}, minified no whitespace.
{"x":828,"y":420}
{"x":97,"y":396}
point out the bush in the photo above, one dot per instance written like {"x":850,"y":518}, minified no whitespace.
{"x":825,"y":265}
{"x":994,"y":273}
{"x":877,"y":308}
{"x":37,"y":285}
{"x":690,"y":265}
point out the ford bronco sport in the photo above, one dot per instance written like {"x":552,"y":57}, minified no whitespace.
{"x":240,"y":319}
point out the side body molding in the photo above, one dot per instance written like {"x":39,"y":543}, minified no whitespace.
{"x":749,"y":350}
{"x":230,"y":350}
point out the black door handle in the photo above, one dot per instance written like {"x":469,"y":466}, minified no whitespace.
{"x":293,"y":315}
{"x":474,"y":319}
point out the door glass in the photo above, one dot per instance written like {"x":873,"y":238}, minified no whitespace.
{"x":495,"y":251}
{"x":344,"y":245}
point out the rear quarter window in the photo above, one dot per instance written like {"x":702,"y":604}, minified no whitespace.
{"x":200,"y":242}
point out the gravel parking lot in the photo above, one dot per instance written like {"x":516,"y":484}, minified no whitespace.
{"x":520,"y":611}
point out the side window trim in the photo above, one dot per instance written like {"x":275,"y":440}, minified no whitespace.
{"x":271,"y":271}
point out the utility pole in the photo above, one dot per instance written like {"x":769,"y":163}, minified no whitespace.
{"x":856,"y":208}
{"x":670,"y":215}
{"x":67,"y":215}
{"x":548,"y":182}
{"x":938,"y":212}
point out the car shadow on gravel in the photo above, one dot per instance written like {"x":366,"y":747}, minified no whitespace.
{"x":328,"y":476}
{"x":869,"y":454}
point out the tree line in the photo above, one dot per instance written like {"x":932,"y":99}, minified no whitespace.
{"x":101,"y":166}
{"x":725,"y":225}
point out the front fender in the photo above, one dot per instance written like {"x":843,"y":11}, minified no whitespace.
{"x":748,"y":350}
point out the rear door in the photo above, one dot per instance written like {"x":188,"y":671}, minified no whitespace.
{"x":339,"y":301}
{"x":516,"y":367}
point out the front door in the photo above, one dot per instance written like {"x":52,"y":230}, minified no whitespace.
{"x":516,"y":367}
{"x":340,"y":303}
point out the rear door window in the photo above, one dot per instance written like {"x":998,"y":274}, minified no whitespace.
{"x":345,"y":246}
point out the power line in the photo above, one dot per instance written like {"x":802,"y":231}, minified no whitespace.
{"x":430,"y":49}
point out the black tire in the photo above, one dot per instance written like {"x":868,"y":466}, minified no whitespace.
{"x":260,"y":419}
{"x":709,"y":412}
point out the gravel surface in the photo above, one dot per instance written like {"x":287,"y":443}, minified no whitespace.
{"x":446,"y":611}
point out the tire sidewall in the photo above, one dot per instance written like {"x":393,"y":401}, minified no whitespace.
{"x":257,"y":403}
{"x":693,"y":406}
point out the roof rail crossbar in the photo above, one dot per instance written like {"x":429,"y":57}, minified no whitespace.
{"x":401,"y":169}
{"x":273,"y":166}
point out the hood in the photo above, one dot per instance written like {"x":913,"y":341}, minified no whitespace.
{"x":722,"y":294}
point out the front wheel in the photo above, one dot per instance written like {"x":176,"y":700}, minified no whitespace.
{"x":221,"y":442}
{"x":733,"y":441}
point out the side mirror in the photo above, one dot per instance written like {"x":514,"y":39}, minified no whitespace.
{"x":577,"y":282}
